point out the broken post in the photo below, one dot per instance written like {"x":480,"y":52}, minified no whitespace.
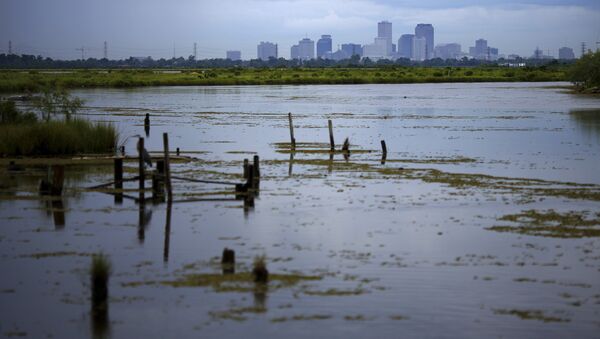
{"x":167,"y":167}
{"x":141,"y":169}
{"x":250,"y":179}
{"x":118,"y":180}
{"x":331,"y":142}
{"x":228,"y":261}
{"x":256,"y":168}
{"x":177,"y":152}
{"x":58,"y":177}
{"x":384,"y":152}
{"x":245,"y":168}
{"x":293,"y":140}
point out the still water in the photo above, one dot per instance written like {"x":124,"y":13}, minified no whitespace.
{"x":483,"y":220}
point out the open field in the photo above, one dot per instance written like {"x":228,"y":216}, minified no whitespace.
{"x":20,"y":80}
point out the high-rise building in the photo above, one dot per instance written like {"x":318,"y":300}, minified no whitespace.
{"x":234,"y":55}
{"x":384,"y":30}
{"x":419,"y":49}
{"x":306,"y":49}
{"x":323,"y":45}
{"x":405,"y":46}
{"x":352,"y":49}
{"x":566,"y":53}
{"x":426,"y":31}
{"x":482,"y":51}
{"x":448,"y":51}
{"x":295,"y":52}
{"x":266,"y":50}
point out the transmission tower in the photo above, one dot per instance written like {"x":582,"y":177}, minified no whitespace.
{"x":582,"y":48}
{"x":173,"y":50}
{"x":195,"y":51}
{"x":82,"y":49}
{"x":9,"y":47}
{"x":105,"y":50}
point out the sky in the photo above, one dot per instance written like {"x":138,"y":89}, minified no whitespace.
{"x":162,"y":28}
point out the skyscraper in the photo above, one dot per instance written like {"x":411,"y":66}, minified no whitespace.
{"x":295,"y":52}
{"x":426,"y":31}
{"x":306,"y":49}
{"x":352,"y":49}
{"x":323,"y":45}
{"x":384,"y":30}
{"x":419,"y":49}
{"x":265,"y":50}
{"x":405,"y":45}
{"x":447,"y":51}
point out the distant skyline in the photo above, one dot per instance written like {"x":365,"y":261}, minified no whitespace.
{"x":155,"y":27}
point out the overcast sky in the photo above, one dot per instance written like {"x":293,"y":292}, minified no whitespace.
{"x":55,"y":28}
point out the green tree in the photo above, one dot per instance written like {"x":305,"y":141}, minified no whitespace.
{"x":53,"y":102}
{"x":585,"y":74}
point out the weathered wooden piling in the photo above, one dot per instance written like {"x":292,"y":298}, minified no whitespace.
{"x":259,"y":270}
{"x":167,"y":167}
{"x":245,"y":168}
{"x":177,"y":151}
{"x":141,"y":170}
{"x":118,"y":179}
{"x":383,"y":152}
{"x":256,"y":168}
{"x":228,"y":261}
{"x":293,"y":140}
{"x":250,"y":178}
{"x":331,"y":141}
{"x":58,"y":177}
{"x":147,"y":120}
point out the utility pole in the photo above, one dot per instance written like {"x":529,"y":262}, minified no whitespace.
{"x":9,"y":47}
{"x":195,"y":50}
{"x":105,"y":50}
{"x":82,"y":49}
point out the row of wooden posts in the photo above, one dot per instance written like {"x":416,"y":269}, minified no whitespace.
{"x":161,"y":178}
{"x":331,"y":139}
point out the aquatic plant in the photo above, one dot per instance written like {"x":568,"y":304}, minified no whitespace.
{"x":100,"y":272}
{"x":259,"y":270}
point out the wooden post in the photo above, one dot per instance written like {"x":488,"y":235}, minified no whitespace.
{"x":58,"y":177}
{"x":250,"y":179}
{"x":167,"y":167}
{"x":118,"y":179}
{"x":141,"y":170}
{"x":384,"y":152}
{"x":245,"y":168}
{"x":256,"y":168}
{"x":177,"y":151}
{"x":292,"y":131}
{"x":331,"y":142}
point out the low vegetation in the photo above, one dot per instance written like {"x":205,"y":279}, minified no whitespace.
{"x":14,"y":81}
{"x":58,"y":133}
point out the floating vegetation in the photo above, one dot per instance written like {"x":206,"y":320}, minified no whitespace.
{"x":531,"y":315}
{"x":55,"y":254}
{"x":237,"y":282}
{"x":573,"y":224}
{"x":237,"y":314}
{"x":335,"y":292}
{"x":302,"y":317}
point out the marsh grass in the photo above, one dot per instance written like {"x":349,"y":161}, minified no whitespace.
{"x":59,"y":137}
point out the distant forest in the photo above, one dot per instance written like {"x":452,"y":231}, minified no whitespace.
{"x":13,"y":61}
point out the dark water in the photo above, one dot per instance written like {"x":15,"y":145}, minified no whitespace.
{"x":399,"y":252}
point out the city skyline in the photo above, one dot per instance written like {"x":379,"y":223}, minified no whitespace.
{"x":517,"y":27}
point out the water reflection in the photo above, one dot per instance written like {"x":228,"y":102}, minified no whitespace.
{"x":144,"y":220}
{"x":587,"y":121}
{"x":167,"y":233}
{"x":290,"y":169}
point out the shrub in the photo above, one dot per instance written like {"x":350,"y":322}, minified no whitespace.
{"x":9,"y":114}
{"x":585,"y":73}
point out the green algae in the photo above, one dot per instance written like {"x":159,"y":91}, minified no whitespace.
{"x":572,"y":224}
{"x":237,"y":282}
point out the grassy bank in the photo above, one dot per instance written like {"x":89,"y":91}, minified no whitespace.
{"x":19,"y":80}
{"x":57,"y":138}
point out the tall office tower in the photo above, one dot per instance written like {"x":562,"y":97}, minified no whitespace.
{"x":566,"y":53}
{"x":352,"y":49}
{"x":295,"y":52}
{"x":405,"y":46}
{"x":265,"y":50}
{"x":448,"y":51}
{"x":481,"y":47}
{"x":234,"y":55}
{"x":419,"y":49}
{"x":384,"y":30}
{"x":306,"y":49}
{"x":426,"y":31}
{"x":323,"y":45}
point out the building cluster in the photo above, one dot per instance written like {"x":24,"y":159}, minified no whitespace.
{"x":419,"y":46}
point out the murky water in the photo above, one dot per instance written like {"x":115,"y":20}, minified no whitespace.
{"x":482,"y":222}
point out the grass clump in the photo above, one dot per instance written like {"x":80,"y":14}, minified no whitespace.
{"x":62,"y":137}
{"x":259,"y":270}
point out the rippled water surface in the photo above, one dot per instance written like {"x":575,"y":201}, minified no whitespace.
{"x":483,"y":220}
